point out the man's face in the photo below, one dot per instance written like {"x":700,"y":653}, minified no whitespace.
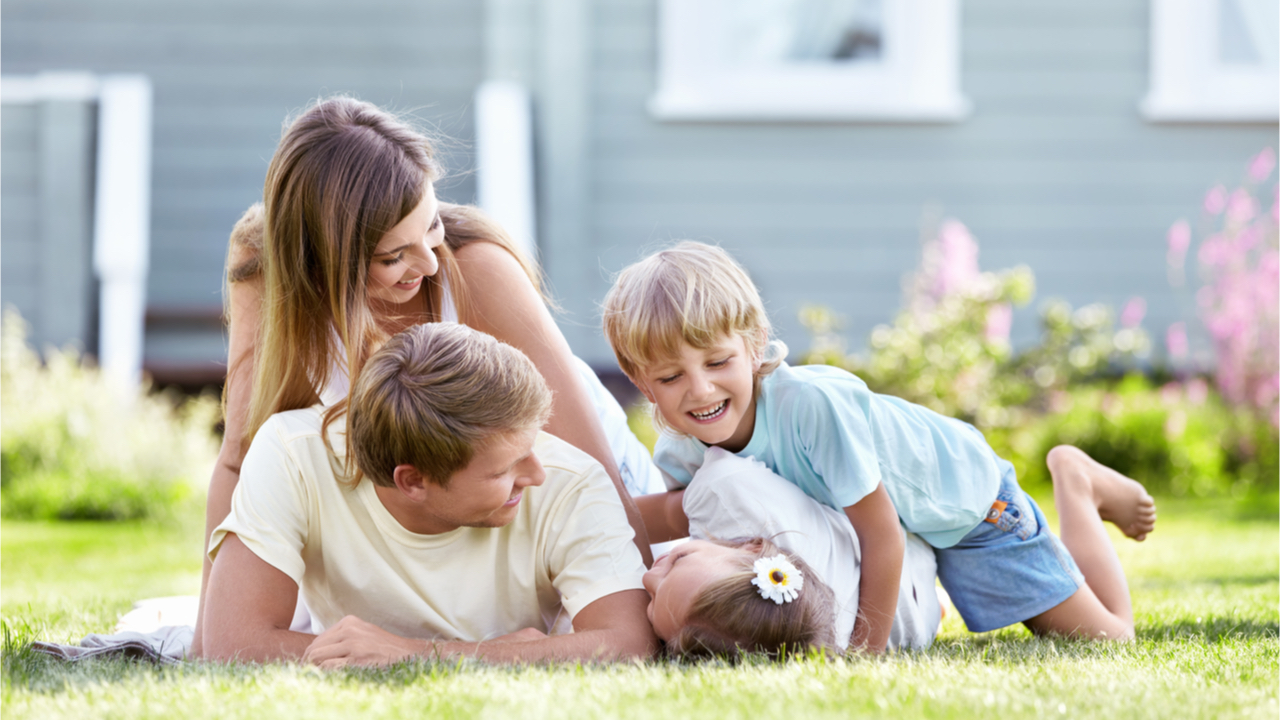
{"x":487,"y":492}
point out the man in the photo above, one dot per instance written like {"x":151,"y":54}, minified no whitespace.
{"x":454,"y":527}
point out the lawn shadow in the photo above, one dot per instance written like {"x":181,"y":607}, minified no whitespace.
{"x":1157,"y":583}
{"x":1212,"y":629}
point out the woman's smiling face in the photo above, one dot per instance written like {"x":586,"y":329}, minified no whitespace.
{"x":678,"y":577}
{"x":406,"y":254}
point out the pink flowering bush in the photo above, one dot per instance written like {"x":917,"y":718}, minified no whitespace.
{"x":949,"y":348}
{"x":1239,"y":295}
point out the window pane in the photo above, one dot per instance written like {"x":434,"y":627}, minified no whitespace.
{"x":771,"y":32}
{"x":1249,"y":32}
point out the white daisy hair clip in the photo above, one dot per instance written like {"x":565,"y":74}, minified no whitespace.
{"x":777,"y":579}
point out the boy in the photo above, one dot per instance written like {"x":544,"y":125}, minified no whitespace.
{"x":689,"y":329}
{"x":464,"y":531}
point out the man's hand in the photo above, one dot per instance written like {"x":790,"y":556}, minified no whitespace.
{"x":524,"y":635}
{"x":355,"y":642}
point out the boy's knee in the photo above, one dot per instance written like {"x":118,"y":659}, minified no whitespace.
{"x":1061,"y":455}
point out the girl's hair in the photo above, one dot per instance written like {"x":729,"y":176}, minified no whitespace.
{"x":730,"y":616}
{"x":690,"y":294}
{"x":344,"y":174}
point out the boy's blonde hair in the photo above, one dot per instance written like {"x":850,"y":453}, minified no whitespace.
{"x":691,"y":293}
{"x":433,"y":395}
{"x":730,"y":616}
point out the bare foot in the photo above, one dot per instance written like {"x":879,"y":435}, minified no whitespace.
{"x":1120,"y":500}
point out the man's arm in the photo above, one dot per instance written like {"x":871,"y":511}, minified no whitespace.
{"x":611,"y":628}
{"x":663,"y":515}
{"x":875,"y":521}
{"x":249,"y":605}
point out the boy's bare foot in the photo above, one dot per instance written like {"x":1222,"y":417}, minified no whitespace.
{"x":1120,"y":500}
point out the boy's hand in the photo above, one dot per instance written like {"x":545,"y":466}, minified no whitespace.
{"x":875,"y":521}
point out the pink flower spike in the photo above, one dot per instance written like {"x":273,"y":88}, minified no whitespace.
{"x":1215,"y":201}
{"x":1133,"y":312}
{"x":1176,"y":340}
{"x":1179,"y":241}
{"x":959,"y":255}
{"x":1242,"y":207}
{"x":1170,"y":393}
{"x":999,"y":323}
{"x":1197,"y":391}
{"x":1262,"y":165}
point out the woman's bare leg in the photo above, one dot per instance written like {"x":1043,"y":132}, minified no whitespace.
{"x":1086,"y":493}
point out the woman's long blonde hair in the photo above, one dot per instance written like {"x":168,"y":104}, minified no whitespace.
{"x":344,"y":174}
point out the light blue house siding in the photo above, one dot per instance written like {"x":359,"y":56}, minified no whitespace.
{"x":1054,"y":168}
{"x":225,"y":76}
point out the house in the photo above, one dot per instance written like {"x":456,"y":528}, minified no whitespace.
{"x":1067,"y":135}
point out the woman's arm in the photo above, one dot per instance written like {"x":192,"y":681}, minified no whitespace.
{"x":504,"y":303}
{"x":245,"y":307}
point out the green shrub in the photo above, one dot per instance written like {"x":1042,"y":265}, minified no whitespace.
{"x":1181,"y":439}
{"x":948,"y":349}
{"x":75,"y":446}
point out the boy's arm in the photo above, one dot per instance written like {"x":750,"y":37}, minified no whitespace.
{"x":875,"y":521}
{"x":249,"y":606}
{"x":611,"y":628}
{"x":663,"y":515}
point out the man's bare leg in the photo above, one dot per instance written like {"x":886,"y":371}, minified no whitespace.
{"x":1086,"y":493}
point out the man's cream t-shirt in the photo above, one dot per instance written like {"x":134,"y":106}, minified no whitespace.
{"x":568,"y":546}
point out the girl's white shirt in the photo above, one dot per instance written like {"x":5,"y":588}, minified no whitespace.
{"x":733,"y":497}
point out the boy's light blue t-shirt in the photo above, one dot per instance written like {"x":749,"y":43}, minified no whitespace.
{"x":821,"y":428}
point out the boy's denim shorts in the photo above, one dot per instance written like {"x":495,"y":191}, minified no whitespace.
{"x":1009,"y":568}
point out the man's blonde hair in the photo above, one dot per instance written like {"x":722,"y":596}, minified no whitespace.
{"x":433,"y":395}
{"x":691,"y":293}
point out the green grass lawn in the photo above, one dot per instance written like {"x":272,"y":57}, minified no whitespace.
{"x":1206,"y":588}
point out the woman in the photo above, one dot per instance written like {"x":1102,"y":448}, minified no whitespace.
{"x":350,"y":247}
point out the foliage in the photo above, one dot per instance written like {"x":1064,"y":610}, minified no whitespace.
{"x":1239,"y":300}
{"x":1181,"y":438}
{"x":949,"y":348}
{"x":74,"y":446}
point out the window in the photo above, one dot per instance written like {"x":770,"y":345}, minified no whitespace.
{"x":809,"y":60}
{"x":1214,"y":60}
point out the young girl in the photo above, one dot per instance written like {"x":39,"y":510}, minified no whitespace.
{"x":349,"y":247}
{"x":728,"y":597}
{"x":689,"y":328}
{"x":716,"y":594}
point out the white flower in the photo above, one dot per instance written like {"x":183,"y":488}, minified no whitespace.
{"x":777,"y":579}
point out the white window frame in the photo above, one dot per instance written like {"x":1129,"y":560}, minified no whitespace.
{"x":917,"y":81}
{"x":1189,"y":84}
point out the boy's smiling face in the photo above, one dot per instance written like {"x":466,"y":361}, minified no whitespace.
{"x":708,"y":393}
